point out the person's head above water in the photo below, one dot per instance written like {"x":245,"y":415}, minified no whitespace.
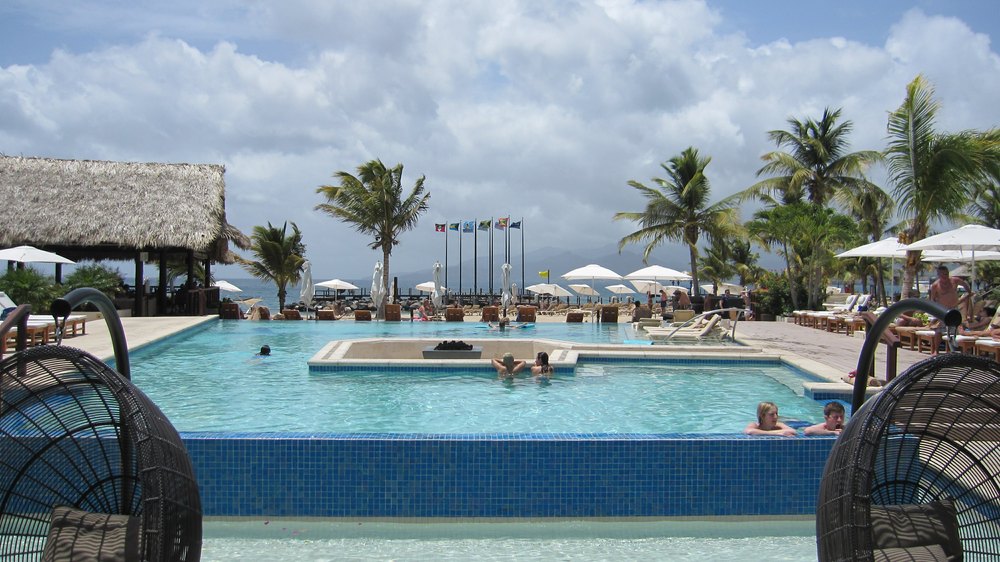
{"x":265,"y":350}
{"x":508,"y":361}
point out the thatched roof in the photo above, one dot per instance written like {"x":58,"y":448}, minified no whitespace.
{"x":115,"y":206}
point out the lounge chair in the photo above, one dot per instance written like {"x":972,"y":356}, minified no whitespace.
{"x":393,"y":312}
{"x":326,"y":314}
{"x":609,"y":313}
{"x":708,"y":330}
{"x":454,"y":315}
{"x":291,"y":314}
{"x":526,"y":313}
{"x":574,"y":317}
{"x":491,"y":314}
{"x":363,"y":315}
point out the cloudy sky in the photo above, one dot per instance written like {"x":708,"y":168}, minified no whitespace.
{"x":540,"y":110}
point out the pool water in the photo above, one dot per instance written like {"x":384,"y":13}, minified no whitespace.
{"x":209,"y":380}
{"x":569,"y":540}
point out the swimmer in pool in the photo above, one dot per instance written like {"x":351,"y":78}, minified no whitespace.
{"x":507,"y":367}
{"x":541,"y":369}
{"x":265,"y":351}
{"x":833,"y":421}
{"x":767,"y":422}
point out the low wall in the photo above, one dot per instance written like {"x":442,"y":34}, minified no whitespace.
{"x":358,"y":476}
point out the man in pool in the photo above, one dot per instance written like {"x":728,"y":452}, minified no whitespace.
{"x":507,"y":367}
{"x":265,"y":350}
{"x":833,"y":416}
{"x":767,"y":422}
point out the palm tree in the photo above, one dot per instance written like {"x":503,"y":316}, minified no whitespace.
{"x":817,"y":164}
{"x":872,"y":208}
{"x":279,"y":257}
{"x":934,"y":175}
{"x":678,"y":209}
{"x":374,"y":203}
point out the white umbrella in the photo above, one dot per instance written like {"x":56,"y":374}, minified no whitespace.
{"x":647,"y":286}
{"x":549,"y":289}
{"x":428,"y":287}
{"x":671,"y":288}
{"x":958,"y":256}
{"x":505,"y":295}
{"x":736,"y":289}
{"x":593,"y":272}
{"x":437,"y":294}
{"x":307,"y":289}
{"x":31,"y":254}
{"x":586,"y":290}
{"x":885,"y":248}
{"x":620,"y":289}
{"x":969,"y":238}
{"x":338,"y":285}
{"x":658,"y":273}
{"x":378,"y":287}
{"x":227,"y":286}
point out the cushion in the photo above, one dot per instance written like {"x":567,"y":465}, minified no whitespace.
{"x":922,"y":525}
{"x":83,"y":536}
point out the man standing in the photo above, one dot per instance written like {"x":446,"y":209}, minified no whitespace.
{"x":944,"y":291}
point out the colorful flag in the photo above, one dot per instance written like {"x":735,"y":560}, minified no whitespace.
{"x":439,"y":227}
{"x":502,"y":223}
{"x":543,"y":274}
{"x":453,"y":226}
{"x":516,"y":225}
{"x":468,"y":226}
{"x":484,"y":225}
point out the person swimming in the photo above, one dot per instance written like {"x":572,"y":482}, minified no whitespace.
{"x":541,"y":369}
{"x":265,"y":351}
{"x":507,"y":366}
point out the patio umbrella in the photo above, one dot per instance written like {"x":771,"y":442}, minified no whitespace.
{"x":378,"y":287}
{"x":338,"y":285}
{"x":437,"y":294}
{"x":505,"y":295}
{"x":307,"y":289}
{"x":227,"y":286}
{"x":593,"y":272}
{"x":620,"y":289}
{"x":549,"y":289}
{"x":585,"y":290}
{"x":31,"y":254}
{"x":969,"y":238}
{"x":886,"y":248}
{"x":647,"y":286}
{"x":658,"y":273}
{"x":427,"y":287}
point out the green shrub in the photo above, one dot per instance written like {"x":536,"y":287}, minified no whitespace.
{"x":28,"y":286}
{"x":96,"y":276}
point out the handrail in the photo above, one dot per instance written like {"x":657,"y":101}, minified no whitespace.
{"x":951,"y":318}
{"x":62,"y":307}
{"x":19,"y":318}
{"x":709,"y":313}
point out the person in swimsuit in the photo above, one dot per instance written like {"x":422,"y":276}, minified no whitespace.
{"x":507,"y":366}
{"x":833,"y":416}
{"x":767,"y":422}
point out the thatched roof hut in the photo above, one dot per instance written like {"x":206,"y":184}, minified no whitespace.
{"x":109,"y":210}
{"x":146,"y":212}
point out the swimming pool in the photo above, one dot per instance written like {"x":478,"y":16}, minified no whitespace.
{"x":601,"y":395}
{"x":567,"y":540}
{"x":249,"y":466}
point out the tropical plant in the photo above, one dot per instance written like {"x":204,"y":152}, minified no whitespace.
{"x":373,"y":201}
{"x":745,"y":261}
{"x":816,"y":165}
{"x":279,"y":257}
{"x":934,"y":175}
{"x":28,"y":286}
{"x":96,"y":276}
{"x":873,"y":209}
{"x":716,"y":265}
{"x":678,"y":209}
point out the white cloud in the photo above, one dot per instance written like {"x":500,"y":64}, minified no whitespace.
{"x":534,"y":109}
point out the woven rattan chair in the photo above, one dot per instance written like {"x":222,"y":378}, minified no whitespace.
{"x":89,"y":460}
{"x":916,"y":472}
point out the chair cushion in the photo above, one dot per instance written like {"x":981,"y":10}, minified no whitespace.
{"x":922,"y":525}
{"x":83,"y":536}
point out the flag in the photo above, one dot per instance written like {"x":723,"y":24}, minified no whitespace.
{"x":453,"y":226}
{"x":468,"y":226}
{"x":516,"y":225}
{"x":543,"y":274}
{"x":438,"y":227}
{"x":484,"y":225}
{"x":502,"y":222}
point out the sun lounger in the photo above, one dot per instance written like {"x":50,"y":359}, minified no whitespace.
{"x":491,"y":314}
{"x":326,"y":315}
{"x":393,"y":312}
{"x":363,"y":315}
{"x":710,"y":329}
{"x":454,"y":315}
{"x":291,"y":314}
{"x":526,"y":313}
{"x":574,"y":317}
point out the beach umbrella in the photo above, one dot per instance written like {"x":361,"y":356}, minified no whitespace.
{"x":593,"y":272}
{"x":338,"y":285}
{"x":505,"y":295}
{"x":734,"y":289}
{"x":249,"y":302}
{"x":378,"y":287}
{"x":31,"y":254}
{"x":671,"y":288}
{"x":307,"y":289}
{"x":886,"y":248}
{"x":969,"y":238}
{"x":549,"y":289}
{"x":648,"y":286}
{"x":620,"y":289}
{"x":437,"y":294}
{"x":227,"y":286}
{"x":585,"y":290}
{"x":428,"y":287}
{"x":658,"y":273}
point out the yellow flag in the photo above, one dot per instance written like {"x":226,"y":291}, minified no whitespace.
{"x":543,"y":274}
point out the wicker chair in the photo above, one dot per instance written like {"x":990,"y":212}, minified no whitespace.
{"x":88,"y":455}
{"x":916,"y":472}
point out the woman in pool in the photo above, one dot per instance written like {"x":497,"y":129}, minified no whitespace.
{"x":767,"y":422}
{"x":541,"y":369}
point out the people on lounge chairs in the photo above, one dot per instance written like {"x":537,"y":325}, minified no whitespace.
{"x":420,"y":315}
{"x":507,"y":366}
{"x":767,"y":422}
{"x":833,"y":421}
